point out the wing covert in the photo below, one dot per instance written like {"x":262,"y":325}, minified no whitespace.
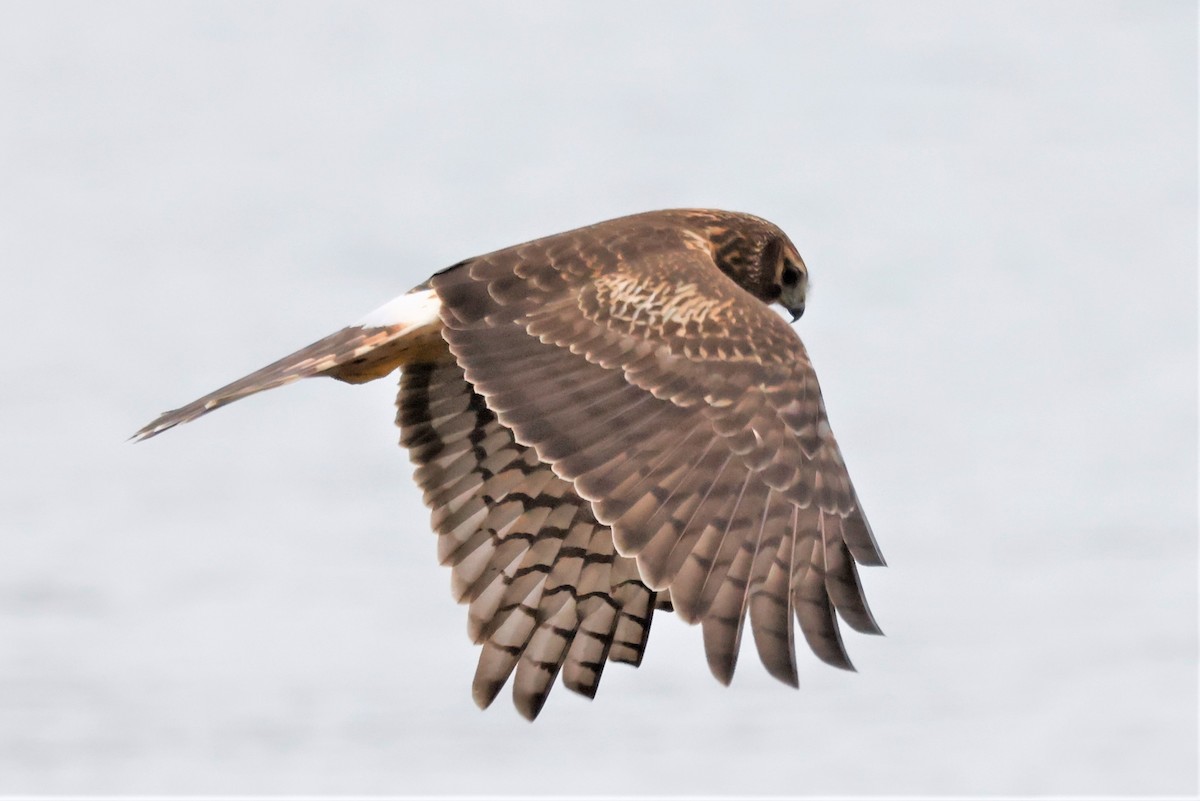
{"x":688,"y":413}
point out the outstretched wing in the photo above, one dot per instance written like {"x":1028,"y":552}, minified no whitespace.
{"x":403,"y":331}
{"x":688,"y":413}
{"x":547,"y":592}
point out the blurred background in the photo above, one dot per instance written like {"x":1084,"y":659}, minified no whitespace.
{"x":998,"y":207}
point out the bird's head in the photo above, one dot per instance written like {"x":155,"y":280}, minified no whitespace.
{"x":758,"y":257}
{"x":789,"y":279}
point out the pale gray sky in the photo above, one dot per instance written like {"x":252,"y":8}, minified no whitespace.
{"x":998,"y":206}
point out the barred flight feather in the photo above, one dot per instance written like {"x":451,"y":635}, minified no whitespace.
{"x":538,"y":565}
{"x":610,"y":421}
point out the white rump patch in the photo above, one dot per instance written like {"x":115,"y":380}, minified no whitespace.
{"x":412,"y":310}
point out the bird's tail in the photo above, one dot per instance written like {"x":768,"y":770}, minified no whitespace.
{"x":404,"y":331}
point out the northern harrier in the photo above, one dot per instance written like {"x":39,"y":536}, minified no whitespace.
{"x":609,"y":421}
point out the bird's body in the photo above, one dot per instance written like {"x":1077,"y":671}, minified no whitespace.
{"x":610,"y":420}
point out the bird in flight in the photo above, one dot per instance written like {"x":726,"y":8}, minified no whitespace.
{"x":610,"y":421}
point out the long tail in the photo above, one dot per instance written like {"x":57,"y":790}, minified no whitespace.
{"x":403,"y":331}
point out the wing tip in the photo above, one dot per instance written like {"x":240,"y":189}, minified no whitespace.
{"x":863,"y":621}
{"x":155,"y":427}
{"x":485,"y":690}
{"x":786,"y":674}
{"x":838,"y":659}
{"x":530,"y":704}
{"x":722,"y":666}
{"x":870,"y":559}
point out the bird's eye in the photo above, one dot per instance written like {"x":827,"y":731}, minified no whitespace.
{"x":790,"y":275}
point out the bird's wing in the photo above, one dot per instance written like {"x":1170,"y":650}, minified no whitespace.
{"x":547,"y":592}
{"x":400,"y":332}
{"x":688,"y":413}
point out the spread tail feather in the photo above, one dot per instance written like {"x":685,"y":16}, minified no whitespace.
{"x":401,"y":332}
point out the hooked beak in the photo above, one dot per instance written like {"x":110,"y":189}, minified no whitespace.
{"x":795,"y":311}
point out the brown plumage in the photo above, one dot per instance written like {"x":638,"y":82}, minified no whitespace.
{"x":604,"y":418}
